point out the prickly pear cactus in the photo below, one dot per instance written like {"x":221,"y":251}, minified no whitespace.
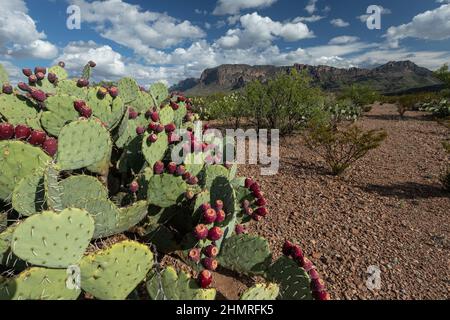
{"x":261,"y":291}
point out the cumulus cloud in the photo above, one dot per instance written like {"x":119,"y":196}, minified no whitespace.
{"x":311,"y":6}
{"x":339,"y":23}
{"x":19,"y":37}
{"x":225,"y":7}
{"x":343,"y":40}
{"x":256,"y":30}
{"x":429,"y":25}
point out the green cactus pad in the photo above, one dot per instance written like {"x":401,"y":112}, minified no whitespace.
{"x":222,"y":189}
{"x":15,"y":109}
{"x":35,"y":123}
{"x":3,"y":75}
{"x":54,"y":240}
{"x":154,"y":152}
{"x":83,"y":143}
{"x":128,"y":89}
{"x":60,"y":111}
{"x":166,"y":115}
{"x":39,"y":284}
{"x":69,"y":87}
{"x":110,"y":111}
{"x":194,"y":163}
{"x":77,"y":188}
{"x":159,"y":93}
{"x":212,"y":172}
{"x":3,"y":221}
{"x":172,"y":286}
{"x":180,"y":114}
{"x":61,"y":73}
{"x":132,"y":159}
{"x":245,"y":254}
{"x":166,"y":190}
{"x":5,"y":245}
{"x":87,"y":72}
{"x":29,"y":195}
{"x":113,"y":273}
{"x":53,"y":190}
{"x":127,"y":129}
{"x":142,"y":103}
{"x":131,"y":216}
{"x":294,"y":281}
{"x":261,"y":291}
{"x":18,"y":160}
{"x":45,"y":86}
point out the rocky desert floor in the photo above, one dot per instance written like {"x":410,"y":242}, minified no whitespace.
{"x":389,"y":211}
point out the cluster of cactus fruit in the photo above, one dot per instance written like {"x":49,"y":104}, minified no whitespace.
{"x":88,"y":185}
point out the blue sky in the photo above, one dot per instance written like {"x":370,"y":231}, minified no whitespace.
{"x":171,"y":40}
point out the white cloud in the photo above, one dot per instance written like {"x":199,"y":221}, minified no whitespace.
{"x":339,"y":23}
{"x":258,"y":31}
{"x":132,"y":27}
{"x":225,"y":7}
{"x":343,"y":40}
{"x":313,"y":18}
{"x":19,"y":37}
{"x":429,"y":25}
{"x":363,"y":18}
{"x":311,"y":7}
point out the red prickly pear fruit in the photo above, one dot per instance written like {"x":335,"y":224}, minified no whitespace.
{"x":152,"y":126}
{"x":215,"y":233}
{"x":211,"y":251}
{"x":249,"y":182}
{"x":132,"y":114}
{"x":257,"y":217}
{"x":287,"y":248}
{"x":140,"y":130}
{"x":6,"y":131}
{"x":205,"y":206}
{"x":39,"y":95}
{"x":40,"y":70}
{"x":297,"y":254}
{"x":201,"y":232}
{"x":152,"y":138}
{"x":255,"y":188}
{"x":318,"y":285}
{"x":170,"y":127}
{"x":23,"y":86}
{"x":86,"y":112}
{"x":81,"y":83}
{"x":218,"y":204}
{"x":263,"y":212}
{"x":209,"y":216}
{"x":192,"y":181}
{"x":148,"y":114}
{"x":174,"y":105}
{"x":22,"y":132}
{"x":50,"y":146}
{"x":313,"y":274}
{"x":92,"y":64}
{"x":258,"y":194}
{"x":210,"y":264}
{"x":181,"y":170}
{"x":249,"y":211}
{"x":173,"y":137}
{"x":189,"y":194}
{"x":40,"y":76}
{"x":239,"y":229}
{"x":134,"y":187}
{"x":261,"y":202}
{"x":32,"y":79}
{"x":113,"y":92}
{"x":102,"y":92}
{"x":172,"y":167}
{"x":158,"y":167}
{"x":62,"y":64}
{"x":37,"y":137}
{"x":27,"y":72}
{"x":159,"y":128}
{"x":322,"y":295}
{"x":7,"y":88}
{"x":186,"y":176}
{"x":78,"y":105}
{"x":220,"y":216}
{"x":52,"y":77}
{"x":205,"y":279}
{"x":194,"y":255}
{"x":307,"y":264}
{"x":154,"y":116}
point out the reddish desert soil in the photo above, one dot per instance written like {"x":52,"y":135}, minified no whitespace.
{"x":388,"y":211}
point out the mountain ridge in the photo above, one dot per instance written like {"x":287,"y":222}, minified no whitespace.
{"x":390,"y":78}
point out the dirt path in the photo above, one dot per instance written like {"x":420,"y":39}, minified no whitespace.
{"x":389,"y":211}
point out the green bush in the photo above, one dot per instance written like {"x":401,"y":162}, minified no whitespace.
{"x":343,"y":110}
{"x":440,"y":109}
{"x":362,"y":96}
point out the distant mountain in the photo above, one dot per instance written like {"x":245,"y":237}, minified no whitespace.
{"x":392,"y":77}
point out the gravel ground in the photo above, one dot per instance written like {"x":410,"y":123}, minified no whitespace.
{"x":388,"y":211}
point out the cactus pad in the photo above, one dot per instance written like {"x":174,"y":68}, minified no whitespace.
{"x":180,"y":113}
{"x":261,"y":291}
{"x":110,"y":111}
{"x":61,"y":73}
{"x":69,"y":87}
{"x":113,"y":273}
{"x":60,"y":111}
{"x":15,"y":109}
{"x":18,"y":160}
{"x":83,"y":143}
{"x":154,"y":152}
{"x":131,"y":216}
{"x":3,"y":76}
{"x":245,"y":254}
{"x":166,"y":115}
{"x":29,"y":195}
{"x":212,"y":172}
{"x":54,"y":240}
{"x":159,"y":93}
{"x":128,"y":89}
{"x":172,"y":286}
{"x":294,"y":282}
{"x":142,"y":103}
{"x":165,"y":190}
{"x":39,"y":284}
{"x":77,"y":188}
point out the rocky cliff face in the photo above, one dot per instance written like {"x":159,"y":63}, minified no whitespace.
{"x":395,"y":76}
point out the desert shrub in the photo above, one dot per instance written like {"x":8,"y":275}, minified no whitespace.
{"x":343,"y":110}
{"x":443,"y":74}
{"x":361,"y":95}
{"x":341,"y":147}
{"x":440,"y":109}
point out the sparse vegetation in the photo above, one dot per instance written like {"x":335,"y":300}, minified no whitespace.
{"x":362,"y":96}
